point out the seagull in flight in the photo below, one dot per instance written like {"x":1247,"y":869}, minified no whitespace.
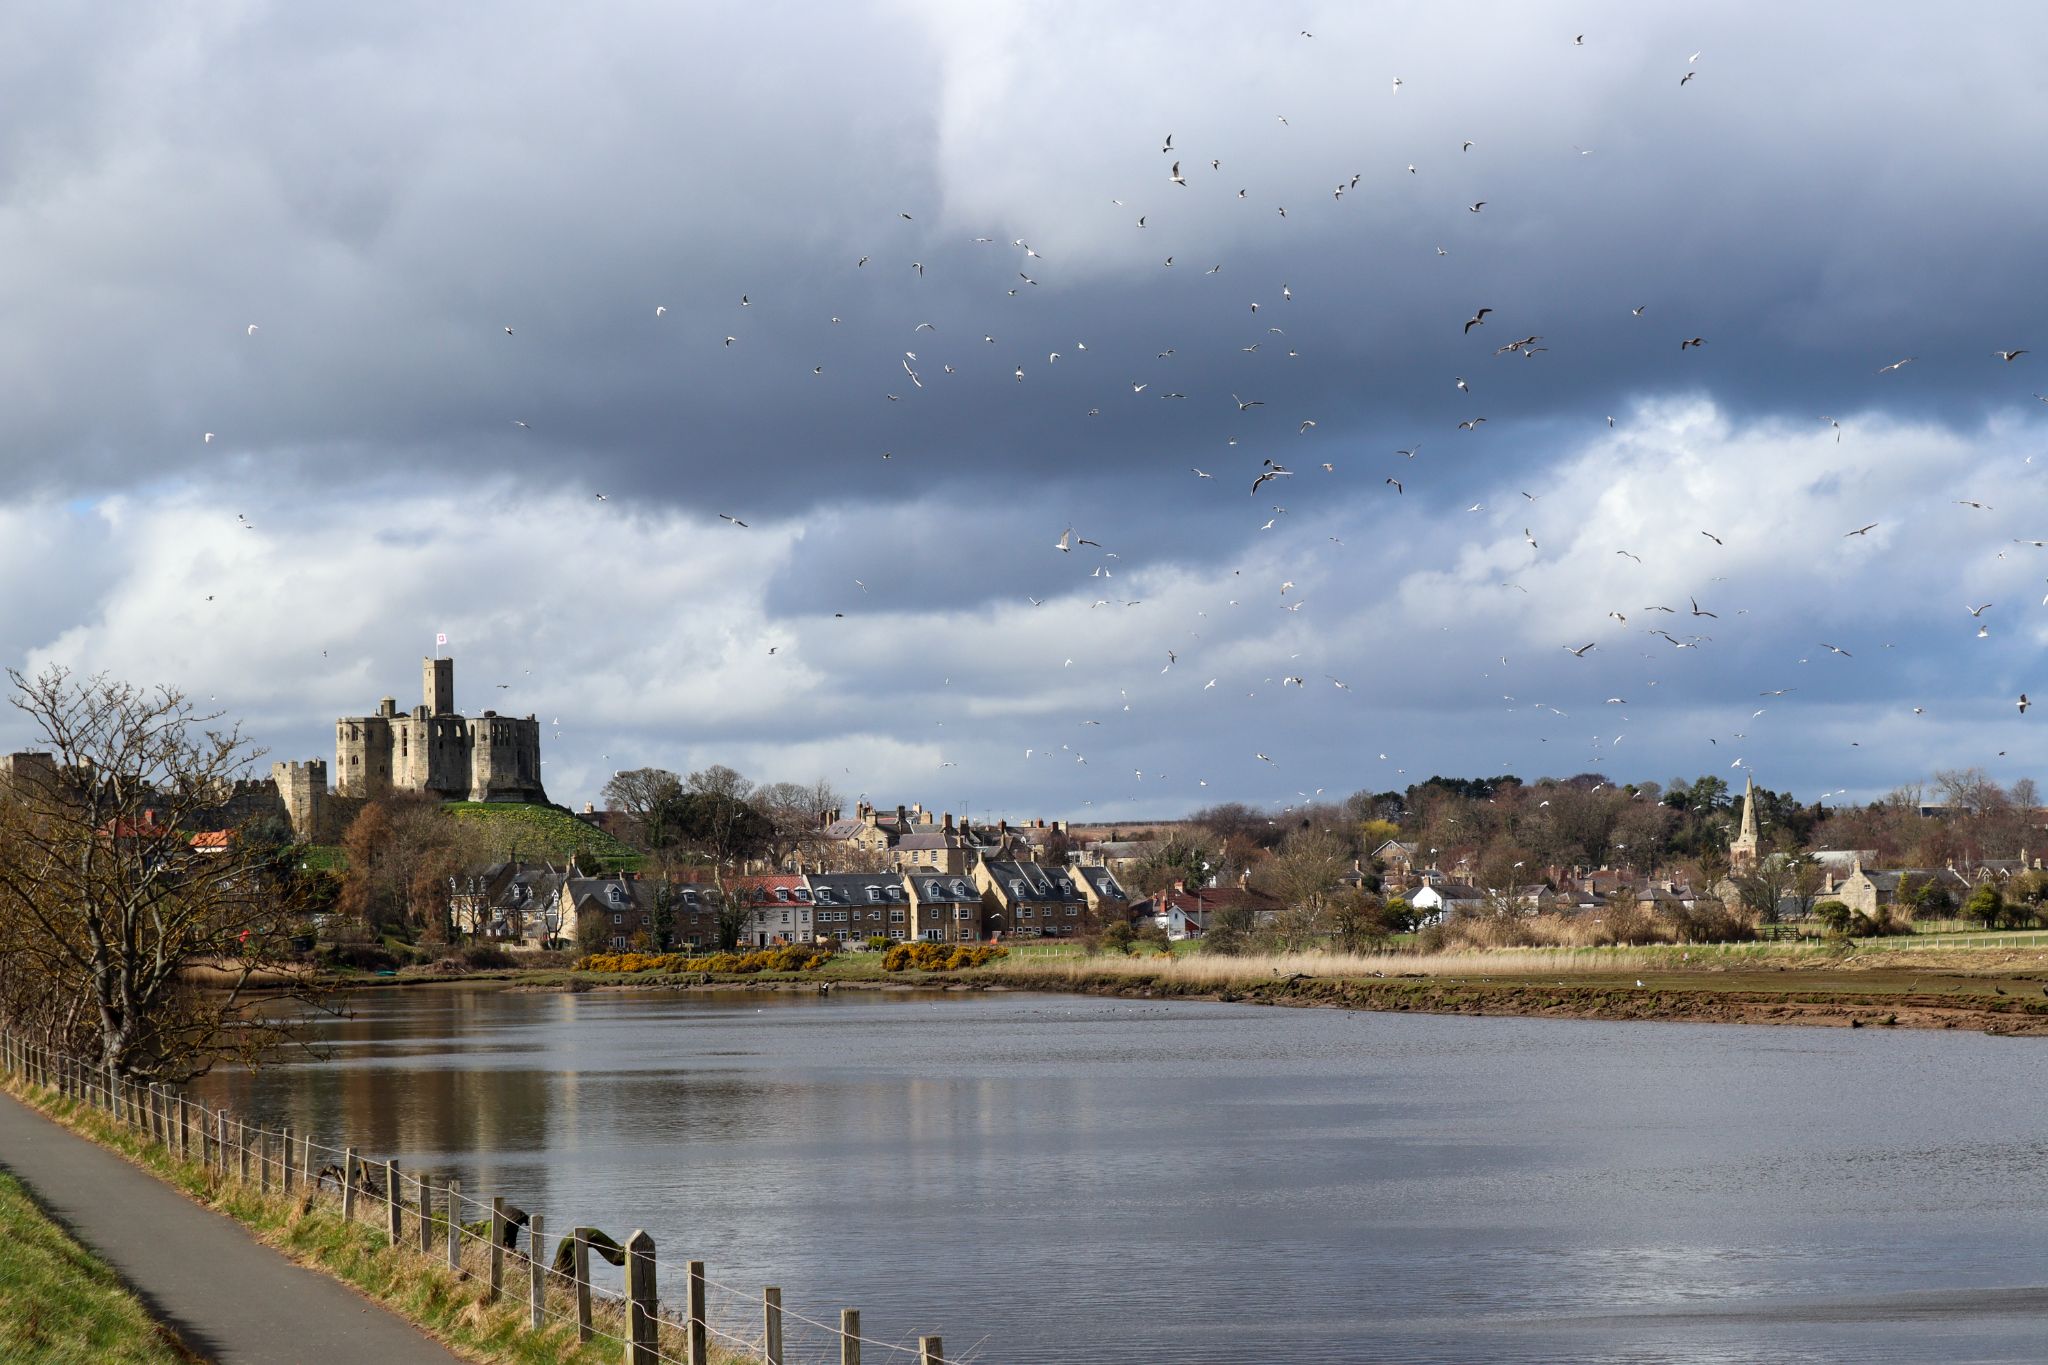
{"x":1861,"y":530}
{"x":1898,"y":364}
{"x":727,"y":516}
{"x":2007,"y":356}
{"x":1836,"y":649}
{"x":1580,"y":652}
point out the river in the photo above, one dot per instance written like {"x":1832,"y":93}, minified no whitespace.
{"x":1059,"y":1178}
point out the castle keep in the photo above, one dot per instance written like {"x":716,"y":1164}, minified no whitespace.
{"x":437,"y":750}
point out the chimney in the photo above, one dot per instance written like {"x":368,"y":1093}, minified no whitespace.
{"x":902,"y":815}
{"x":589,"y":809}
{"x":947,"y":822}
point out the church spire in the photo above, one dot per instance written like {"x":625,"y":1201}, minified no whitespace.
{"x":1742,"y":854}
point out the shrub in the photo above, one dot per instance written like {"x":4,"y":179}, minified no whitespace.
{"x":1117,"y":936}
{"x":939,"y":957}
{"x":487,"y":957}
{"x":790,"y":957}
{"x":880,"y":943}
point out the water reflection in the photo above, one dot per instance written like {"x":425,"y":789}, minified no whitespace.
{"x":1185,"y":1182}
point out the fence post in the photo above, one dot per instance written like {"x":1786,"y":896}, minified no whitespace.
{"x":242,"y":1151}
{"x":262,"y":1158}
{"x":348,"y":1185}
{"x":184,"y":1127}
{"x":581,"y":1267}
{"x":849,"y":1336}
{"x":536,"y":1273}
{"x":700,"y":1339}
{"x":771,"y":1325}
{"x":394,"y":1208}
{"x":220,"y":1142}
{"x":284,"y":1160}
{"x":455,"y":1225}
{"x":426,"y":1216}
{"x":930,"y":1351}
{"x":643,"y":1328}
{"x":497,"y":1284}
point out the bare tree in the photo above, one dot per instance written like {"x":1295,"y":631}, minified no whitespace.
{"x":793,"y":811}
{"x":121,"y":941}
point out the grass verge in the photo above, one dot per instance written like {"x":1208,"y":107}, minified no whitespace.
{"x":307,"y":1226}
{"x":60,"y":1304}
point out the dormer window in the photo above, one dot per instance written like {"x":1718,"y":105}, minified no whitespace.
{"x":874,"y":894}
{"x":1018,"y":888}
{"x":782,"y":893}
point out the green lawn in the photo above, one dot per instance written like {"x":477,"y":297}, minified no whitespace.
{"x":60,"y":1304}
{"x":542,"y":832}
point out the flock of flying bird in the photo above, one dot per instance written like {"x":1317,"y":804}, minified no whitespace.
{"x":931,"y":355}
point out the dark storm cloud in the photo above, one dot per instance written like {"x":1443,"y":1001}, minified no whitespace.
{"x":384,"y":191}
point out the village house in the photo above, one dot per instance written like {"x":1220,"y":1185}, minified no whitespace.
{"x":778,"y":910}
{"x":1105,"y":896}
{"x":854,"y":907}
{"x":1864,"y":891}
{"x":623,"y":908}
{"x":1432,"y":902}
{"x":1397,"y":857}
{"x":1022,"y":899}
{"x":944,"y":908}
{"x":944,"y":849}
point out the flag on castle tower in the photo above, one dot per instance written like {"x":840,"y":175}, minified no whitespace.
{"x":441,"y":637}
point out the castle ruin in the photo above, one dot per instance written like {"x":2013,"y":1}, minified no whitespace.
{"x":433,"y":749}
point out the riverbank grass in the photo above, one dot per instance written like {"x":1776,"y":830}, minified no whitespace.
{"x":60,"y":1304}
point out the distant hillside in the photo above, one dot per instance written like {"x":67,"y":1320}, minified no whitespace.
{"x":542,"y":832}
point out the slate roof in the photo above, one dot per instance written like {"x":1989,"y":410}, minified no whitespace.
{"x":945,"y":889}
{"x":851,"y":888}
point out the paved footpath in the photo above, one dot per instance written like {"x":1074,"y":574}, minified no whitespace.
{"x":229,"y":1297}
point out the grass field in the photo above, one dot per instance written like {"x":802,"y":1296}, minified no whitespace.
{"x":542,"y":832}
{"x":61,"y":1305}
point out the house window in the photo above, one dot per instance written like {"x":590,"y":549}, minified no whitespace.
{"x":618,"y":943}
{"x":785,"y":917}
{"x":618,"y":919}
{"x":1026,"y":913}
{"x":874,"y":893}
{"x":782,"y":893}
{"x":895,"y":917}
{"x":1073,"y":909}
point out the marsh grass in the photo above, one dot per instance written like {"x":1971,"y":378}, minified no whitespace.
{"x":1199,"y":971}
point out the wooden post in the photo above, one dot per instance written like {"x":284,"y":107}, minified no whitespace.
{"x":497,"y":1285}
{"x":284,"y":1160}
{"x":426,"y":1216}
{"x":771,"y":1325}
{"x":536,"y":1273}
{"x":394,"y":1207}
{"x":262,"y":1158}
{"x":849,"y":1336}
{"x":700,"y":1339}
{"x":581,"y":1267}
{"x":184,"y":1127}
{"x":643,"y":1328}
{"x":242,"y":1150}
{"x":455,"y":1225}
{"x":348,"y":1185}
{"x":220,"y":1143}
{"x":930,"y":1351}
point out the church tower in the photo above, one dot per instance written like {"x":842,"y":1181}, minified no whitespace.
{"x":1742,"y":854}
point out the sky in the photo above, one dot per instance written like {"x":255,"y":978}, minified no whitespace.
{"x":327,"y":329}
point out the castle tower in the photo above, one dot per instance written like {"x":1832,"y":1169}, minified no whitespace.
{"x":303,"y":789}
{"x":1742,"y":854}
{"x":437,"y":677}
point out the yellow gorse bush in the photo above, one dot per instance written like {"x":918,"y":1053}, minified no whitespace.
{"x":788,"y":958}
{"x":939,"y":957}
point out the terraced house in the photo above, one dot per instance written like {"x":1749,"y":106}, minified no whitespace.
{"x":1022,"y":899}
{"x":944,"y":908}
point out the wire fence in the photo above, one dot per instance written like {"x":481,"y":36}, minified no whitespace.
{"x":475,"y":1240}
